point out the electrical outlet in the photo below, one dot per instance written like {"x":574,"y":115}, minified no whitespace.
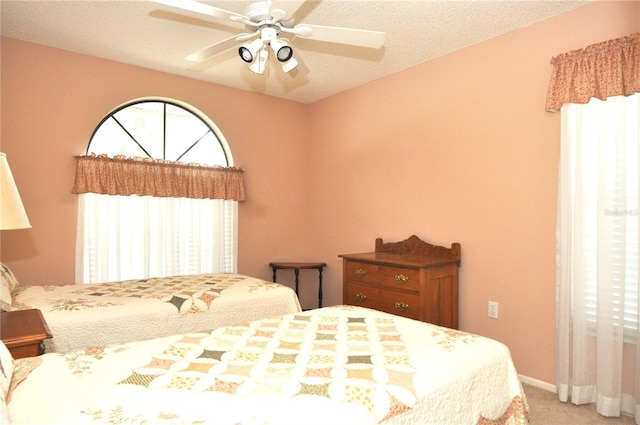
{"x":493,"y":309}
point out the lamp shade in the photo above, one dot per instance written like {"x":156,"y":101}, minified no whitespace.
{"x":12,"y":213}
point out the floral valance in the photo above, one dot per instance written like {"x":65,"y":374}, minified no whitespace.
{"x":602,"y":70}
{"x":141,"y":176}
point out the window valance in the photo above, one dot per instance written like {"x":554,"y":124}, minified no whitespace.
{"x":142,"y":176}
{"x":602,"y":70}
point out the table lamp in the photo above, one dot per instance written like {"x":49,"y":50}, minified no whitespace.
{"x":12,"y":213}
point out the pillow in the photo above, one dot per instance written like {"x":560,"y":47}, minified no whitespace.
{"x":7,"y":275}
{"x":8,"y":284}
{"x":21,"y":370}
{"x":6,"y":369}
{"x":5,"y":296}
{"x":6,"y":373}
{"x":4,"y":411}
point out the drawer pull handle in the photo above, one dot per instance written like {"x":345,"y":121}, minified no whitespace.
{"x":360,"y":272}
{"x":401,"y":278}
{"x":361,"y":297}
{"x":402,"y":306}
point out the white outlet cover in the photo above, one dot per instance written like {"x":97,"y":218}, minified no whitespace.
{"x":493,"y":310}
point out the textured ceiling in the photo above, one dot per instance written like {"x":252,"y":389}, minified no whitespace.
{"x":159,"y":37}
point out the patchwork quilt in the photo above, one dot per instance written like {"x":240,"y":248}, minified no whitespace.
{"x":89,"y":315}
{"x":335,"y":365}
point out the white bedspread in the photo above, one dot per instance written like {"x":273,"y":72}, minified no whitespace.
{"x":91,"y":315}
{"x":336,"y":365}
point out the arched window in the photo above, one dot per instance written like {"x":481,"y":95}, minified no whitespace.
{"x":141,"y":236}
{"x":160,"y":129}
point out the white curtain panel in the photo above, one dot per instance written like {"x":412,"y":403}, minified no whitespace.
{"x":137,"y":237}
{"x":598,"y":338}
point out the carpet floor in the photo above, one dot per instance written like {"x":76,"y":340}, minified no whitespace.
{"x":546,"y":409}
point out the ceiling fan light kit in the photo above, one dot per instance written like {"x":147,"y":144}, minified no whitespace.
{"x":248,"y":52}
{"x":260,"y":64}
{"x":282,"y":50}
{"x":256,"y":51}
{"x":267,"y":19}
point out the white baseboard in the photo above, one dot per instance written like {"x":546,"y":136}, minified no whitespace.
{"x":537,"y":383}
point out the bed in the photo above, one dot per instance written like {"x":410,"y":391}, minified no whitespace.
{"x":333,"y":365}
{"x":80,"y":316}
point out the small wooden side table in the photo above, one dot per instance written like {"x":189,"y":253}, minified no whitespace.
{"x":23,"y":332}
{"x":296,"y":267}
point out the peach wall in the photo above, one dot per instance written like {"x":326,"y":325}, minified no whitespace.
{"x":458,"y":149}
{"x":53,"y":99}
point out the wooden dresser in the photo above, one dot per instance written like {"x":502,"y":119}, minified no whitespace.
{"x":411,"y":278}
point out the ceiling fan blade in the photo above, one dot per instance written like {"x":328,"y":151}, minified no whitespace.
{"x":364,"y":38}
{"x":284,"y":9}
{"x":205,"y":9}
{"x":216,"y":48}
{"x":247,"y":36}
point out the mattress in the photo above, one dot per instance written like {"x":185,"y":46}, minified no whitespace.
{"x":81,"y":316}
{"x":334,"y":365}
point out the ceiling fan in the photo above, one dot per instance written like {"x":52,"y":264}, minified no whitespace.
{"x":266,"y":20}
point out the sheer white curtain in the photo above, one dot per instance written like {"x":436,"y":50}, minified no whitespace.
{"x":598,"y":337}
{"x":136,"y":237}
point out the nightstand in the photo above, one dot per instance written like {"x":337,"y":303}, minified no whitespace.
{"x":296,"y":267}
{"x":23,"y":332}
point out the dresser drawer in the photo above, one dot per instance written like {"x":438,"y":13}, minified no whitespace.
{"x":390,"y":277}
{"x":395,"y":302}
{"x":410,"y":278}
